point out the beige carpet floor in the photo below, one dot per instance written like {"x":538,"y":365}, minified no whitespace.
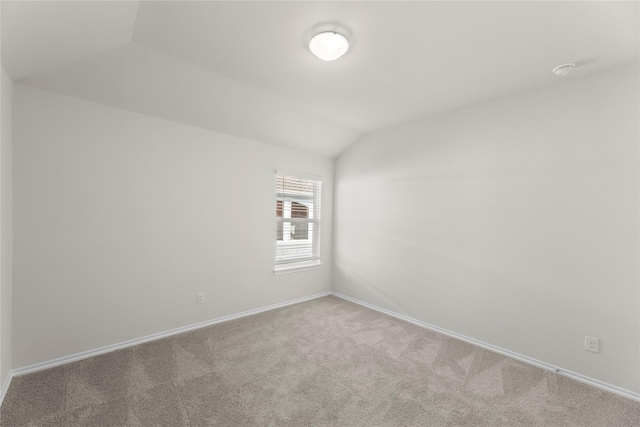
{"x":325,"y":362}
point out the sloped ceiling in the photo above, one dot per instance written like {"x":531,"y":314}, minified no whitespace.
{"x":243,"y":68}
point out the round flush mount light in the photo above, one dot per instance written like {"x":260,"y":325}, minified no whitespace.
{"x":563,"y":70}
{"x":328,"y":46}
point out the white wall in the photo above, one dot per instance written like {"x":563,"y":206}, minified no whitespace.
{"x":120,"y":219}
{"x":6,"y":225}
{"x":514,"y":223}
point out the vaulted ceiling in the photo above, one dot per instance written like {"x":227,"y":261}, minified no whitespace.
{"x":244,"y":68}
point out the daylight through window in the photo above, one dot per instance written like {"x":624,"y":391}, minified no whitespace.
{"x":297,"y":220}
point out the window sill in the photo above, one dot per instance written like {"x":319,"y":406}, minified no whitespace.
{"x":296,"y":267}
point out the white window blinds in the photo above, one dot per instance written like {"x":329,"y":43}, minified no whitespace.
{"x":297,"y":218}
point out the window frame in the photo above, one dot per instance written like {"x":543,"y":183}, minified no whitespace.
{"x":314,"y":201}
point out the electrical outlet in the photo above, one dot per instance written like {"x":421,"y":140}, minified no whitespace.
{"x":201,"y":298}
{"x":347,"y":278}
{"x":592,"y":344}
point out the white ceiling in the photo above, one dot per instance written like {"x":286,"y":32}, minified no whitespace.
{"x":243,"y":68}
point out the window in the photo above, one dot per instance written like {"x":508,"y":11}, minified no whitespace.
{"x":297,"y":222}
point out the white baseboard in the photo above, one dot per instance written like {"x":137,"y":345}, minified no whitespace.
{"x":106,"y":349}
{"x":5,"y":386}
{"x":579,"y":377}
{"x":109,"y":348}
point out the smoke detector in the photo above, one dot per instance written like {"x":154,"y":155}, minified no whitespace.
{"x":563,"y":70}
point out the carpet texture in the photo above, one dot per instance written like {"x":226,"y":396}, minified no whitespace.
{"x":325,"y":362}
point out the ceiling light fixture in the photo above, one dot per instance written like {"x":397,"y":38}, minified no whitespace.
{"x":563,"y":70}
{"x":328,"y":46}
